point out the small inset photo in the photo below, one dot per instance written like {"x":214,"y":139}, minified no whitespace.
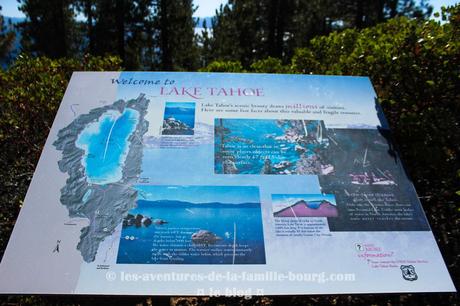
{"x":179,"y":118}
{"x":304,"y":205}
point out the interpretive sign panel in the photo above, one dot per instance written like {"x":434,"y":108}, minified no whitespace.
{"x":155,"y":183}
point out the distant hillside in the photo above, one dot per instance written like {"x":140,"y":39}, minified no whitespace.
{"x":183,"y":204}
{"x":200,"y":21}
{"x":179,"y":110}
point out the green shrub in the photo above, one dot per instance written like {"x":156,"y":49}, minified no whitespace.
{"x":224,"y":66}
{"x":269,"y":65}
{"x":30,"y":93}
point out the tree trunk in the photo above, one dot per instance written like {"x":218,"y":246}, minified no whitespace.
{"x":62,"y":30}
{"x":166,"y":56}
{"x":89,"y":24}
{"x":359,"y":14}
{"x":120,"y":25}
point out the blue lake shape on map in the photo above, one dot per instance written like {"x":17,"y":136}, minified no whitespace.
{"x":106,"y":145}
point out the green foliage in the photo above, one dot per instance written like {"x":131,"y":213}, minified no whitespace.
{"x":177,"y":41}
{"x":30,"y":93}
{"x":248,"y":30}
{"x":204,"y":41}
{"x":145,"y":34}
{"x":159,"y":34}
{"x":269,"y":65}
{"x":120,"y":27}
{"x":224,"y":66}
{"x":50,"y":28}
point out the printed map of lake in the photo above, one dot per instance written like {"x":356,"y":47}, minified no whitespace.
{"x":106,"y":144}
{"x":101,"y":153}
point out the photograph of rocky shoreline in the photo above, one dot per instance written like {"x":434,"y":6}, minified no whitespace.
{"x":193,"y":225}
{"x":179,"y":118}
{"x":271,"y":146}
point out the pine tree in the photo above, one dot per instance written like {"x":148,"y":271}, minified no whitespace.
{"x":224,"y":42}
{"x":240,"y":32}
{"x":105,"y":28}
{"x":6,"y":40}
{"x":141,"y":36}
{"x":120,"y":27}
{"x":146,"y":34}
{"x":177,"y":39}
{"x":361,"y":14}
{"x":249,"y":30}
{"x":309,"y":18}
{"x":279,"y":13}
{"x":87,"y":8}
{"x":204,"y":42}
{"x":50,"y":28}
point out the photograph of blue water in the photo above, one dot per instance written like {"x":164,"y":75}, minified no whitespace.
{"x":193,"y":225}
{"x":179,"y":118}
{"x":106,"y":144}
{"x":270,"y":146}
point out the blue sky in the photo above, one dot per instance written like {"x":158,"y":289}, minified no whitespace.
{"x":200,"y":194}
{"x":206,"y":8}
{"x":181,"y":104}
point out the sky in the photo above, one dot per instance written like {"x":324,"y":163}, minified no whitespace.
{"x":206,"y":8}
{"x":181,"y":104}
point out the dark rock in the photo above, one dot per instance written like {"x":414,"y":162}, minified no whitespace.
{"x":205,"y":237}
{"x":229,"y":167}
{"x":172,"y":126}
{"x":138,"y":220}
{"x":267,"y":168}
{"x":147,"y":221}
